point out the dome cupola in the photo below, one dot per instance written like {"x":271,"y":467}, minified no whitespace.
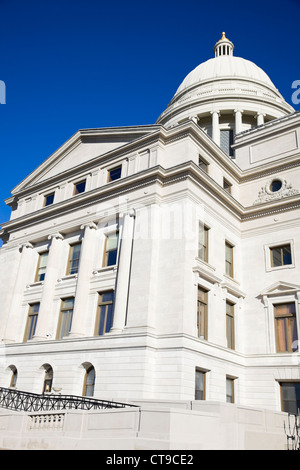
{"x":223,"y":47}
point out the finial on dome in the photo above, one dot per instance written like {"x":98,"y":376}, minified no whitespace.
{"x":223,"y":47}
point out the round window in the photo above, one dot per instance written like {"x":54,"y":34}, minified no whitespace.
{"x":275,"y":185}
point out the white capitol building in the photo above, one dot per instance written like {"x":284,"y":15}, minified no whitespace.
{"x":160,"y":265}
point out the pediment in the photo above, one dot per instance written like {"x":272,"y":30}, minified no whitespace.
{"x":82,"y":147}
{"x":281,"y":288}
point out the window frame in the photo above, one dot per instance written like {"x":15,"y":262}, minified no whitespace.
{"x":106,"y":251}
{"x":78,"y":183}
{"x":285,"y":382}
{"x":206,"y":242}
{"x":70,"y":259}
{"x":231,"y":380}
{"x":31,"y":322}
{"x":63,"y":309}
{"x":203,"y":164}
{"x":100,"y":304}
{"x":39,"y":267}
{"x":268,"y":255}
{"x":203,"y":373}
{"x":202,"y":315}
{"x":281,"y":247}
{"x":114,"y":168}
{"x":231,"y":262}
{"x":227,"y":186}
{"x":45,"y":199}
{"x":88,"y":370}
{"x":230,"y":314}
{"x":287,"y":331}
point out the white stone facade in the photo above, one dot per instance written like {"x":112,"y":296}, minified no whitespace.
{"x":163,"y":194}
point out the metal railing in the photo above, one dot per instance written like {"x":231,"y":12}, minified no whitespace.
{"x":292,"y":431}
{"x":32,"y":402}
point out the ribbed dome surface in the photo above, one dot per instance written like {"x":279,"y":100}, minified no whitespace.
{"x":225,"y":67}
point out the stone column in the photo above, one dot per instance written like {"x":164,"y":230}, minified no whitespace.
{"x":45,"y":311}
{"x":215,"y":127}
{"x":123,"y":276}
{"x":12,"y":326}
{"x":238,"y":120}
{"x":84,"y":272}
{"x":260,"y":118}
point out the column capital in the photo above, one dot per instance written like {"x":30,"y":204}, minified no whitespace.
{"x":90,"y":225}
{"x":238,"y":110}
{"x":56,"y":235}
{"x":25,"y":245}
{"x":218,"y":112}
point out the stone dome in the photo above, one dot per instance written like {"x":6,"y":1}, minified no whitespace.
{"x":223,"y":84}
{"x":225,"y":67}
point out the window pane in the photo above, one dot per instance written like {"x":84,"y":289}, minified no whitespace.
{"x":90,"y":382}
{"x":114,"y":174}
{"x":49,"y":199}
{"x":286,"y":327}
{"x":226,"y":141}
{"x":290,"y":394}
{"x":199,"y":385}
{"x":229,"y":390}
{"x":79,"y":187}
{"x":74,"y":258}
{"x":276,"y":257}
{"x":66,"y":317}
{"x":112,"y":242}
{"x":286,"y":255}
{"x":31,"y":321}
{"x":41,"y":272}
{"x":203,"y":238}
{"x":105,"y":313}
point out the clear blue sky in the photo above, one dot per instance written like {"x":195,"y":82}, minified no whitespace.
{"x":73,"y":64}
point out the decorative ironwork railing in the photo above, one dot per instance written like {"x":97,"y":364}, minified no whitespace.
{"x":32,"y":402}
{"x":292,"y":431}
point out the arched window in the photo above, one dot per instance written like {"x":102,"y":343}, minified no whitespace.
{"x":47,"y":387}
{"x":14,"y":377}
{"x":89,"y":382}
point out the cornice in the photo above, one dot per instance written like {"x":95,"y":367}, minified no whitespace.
{"x":155,"y":175}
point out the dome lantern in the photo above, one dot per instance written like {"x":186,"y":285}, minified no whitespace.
{"x":223,"y":47}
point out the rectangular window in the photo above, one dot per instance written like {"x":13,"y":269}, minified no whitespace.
{"x":290,"y":397}
{"x":286,"y":327}
{"x":31,"y":321}
{"x":65,"y":320}
{"x":202,"y":313}
{"x":111,"y":249}
{"x":200,"y":385}
{"x":228,"y":259}
{"x":114,"y":174}
{"x":229,"y":390}
{"x":227,"y":186}
{"x":79,"y":187}
{"x":203,"y":242}
{"x":226,"y":141}
{"x":281,"y":255}
{"x":74,"y":256}
{"x":104,"y":318}
{"x":49,"y":199}
{"x":230,"y":325}
{"x":42,"y":265}
{"x":203,"y":164}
